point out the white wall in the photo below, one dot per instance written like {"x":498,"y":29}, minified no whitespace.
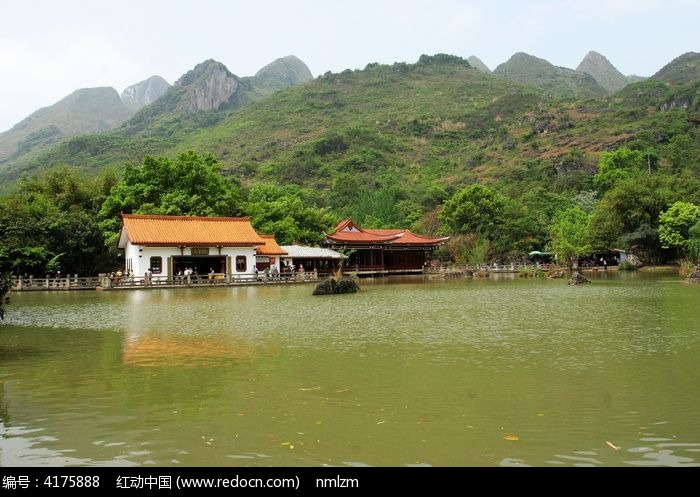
{"x":140,"y":257}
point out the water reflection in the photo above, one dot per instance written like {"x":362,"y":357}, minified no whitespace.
{"x":415,"y":373}
{"x":155,"y":350}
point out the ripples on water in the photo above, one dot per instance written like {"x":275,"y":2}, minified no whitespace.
{"x":409,"y":373}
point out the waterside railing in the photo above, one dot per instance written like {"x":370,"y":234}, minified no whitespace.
{"x":112,"y":282}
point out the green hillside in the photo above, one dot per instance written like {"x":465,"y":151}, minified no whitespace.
{"x":603,"y":72}
{"x":202,"y":97}
{"x":438,"y":146}
{"x":437,"y":123}
{"x":88,"y":110}
{"x":684,"y":69}
{"x":433,"y":127}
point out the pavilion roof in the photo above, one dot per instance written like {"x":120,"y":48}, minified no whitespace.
{"x":270,"y":248}
{"x":347,"y":232}
{"x":173,"y":231}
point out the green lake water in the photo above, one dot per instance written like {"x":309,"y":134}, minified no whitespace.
{"x":410,"y":371}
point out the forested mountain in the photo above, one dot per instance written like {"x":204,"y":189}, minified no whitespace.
{"x":89,"y":110}
{"x":684,"y":69}
{"x":410,"y":145}
{"x":150,"y":109}
{"x":557,"y":81}
{"x":603,"y":72}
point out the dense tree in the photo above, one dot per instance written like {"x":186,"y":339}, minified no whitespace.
{"x":506,"y":229}
{"x":631,"y":210}
{"x":694,"y":242}
{"x":617,"y":166}
{"x":569,"y":233}
{"x":539,"y":207}
{"x":49,"y":223}
{"x":472,"y":249}
{"x":683,"y":152}
{"x":189,"y":185}
{"x":5,"y":286}
{"x":675,"y":224}
{"x":475,"y":209}
{"x":288,"y":213}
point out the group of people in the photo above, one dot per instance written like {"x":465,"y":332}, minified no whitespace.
{"x":187,"y":272}
{"x":274,"y":272}
{"x":118,"y":276}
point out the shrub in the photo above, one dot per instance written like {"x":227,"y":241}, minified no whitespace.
{"x":626,"y":266}
{"x":687,"y":268}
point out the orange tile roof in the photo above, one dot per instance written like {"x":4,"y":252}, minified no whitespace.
{"x":348,"y":232}
{"x":271,"y":247}
{"x":172,"y":231}
{"x":383,"y":232}
{"x":361,"y":237}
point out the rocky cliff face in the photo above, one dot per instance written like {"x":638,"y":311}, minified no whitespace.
{"x":211,"y":87}
{"x":141,"y":94}
{"x":206,"y":87}
{"x":603,"y":72}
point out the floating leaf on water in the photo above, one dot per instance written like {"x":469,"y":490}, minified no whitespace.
{"x":381,"y":422}
{"x":319,"y":422}
{"x":291,"y":447}
{"x":540,"y":415}
{"x":613,"y":446}
{"x":286,"y":443}
{"x":511,"y":438}
{"x":309,"y":389}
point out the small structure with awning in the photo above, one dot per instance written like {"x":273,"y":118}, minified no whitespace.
{"x":322,"y":260}
{"x":269,"y":254}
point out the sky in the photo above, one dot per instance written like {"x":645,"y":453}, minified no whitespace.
{"x":48,"y":48}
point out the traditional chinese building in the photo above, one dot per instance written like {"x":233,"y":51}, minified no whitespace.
{"x":321,"y":260}
{"x":382,"y":250}
{"x":166,"y":245}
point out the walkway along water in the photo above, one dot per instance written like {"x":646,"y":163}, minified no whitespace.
{"x":105,"y":282}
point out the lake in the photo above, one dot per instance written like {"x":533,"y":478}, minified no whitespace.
{"x":411,"y":371}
